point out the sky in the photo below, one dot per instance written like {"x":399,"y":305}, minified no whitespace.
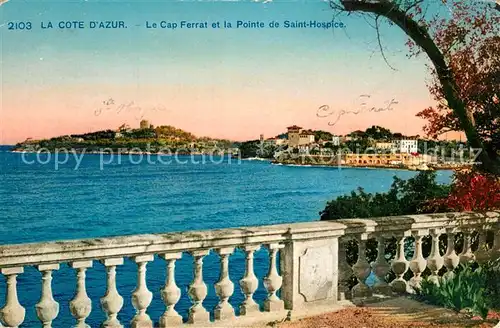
{"x":234,"y":83}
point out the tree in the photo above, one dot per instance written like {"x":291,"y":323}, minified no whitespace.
{"x":379,"y":133}
{"x":404,"y":197}
{"x":411,"y":18}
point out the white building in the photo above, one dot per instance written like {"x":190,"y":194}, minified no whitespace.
{"x":336,"y":140}
{"x":406,"y":146}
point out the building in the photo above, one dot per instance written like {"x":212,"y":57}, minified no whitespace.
{"x":384,"y":145}
{"x":306,"y":137}
{"x":408,"y":146}
{"x":336,"y":140}
{"x":293,"y":135}
{"x":144,"y":124}
{"x":379,"y":159}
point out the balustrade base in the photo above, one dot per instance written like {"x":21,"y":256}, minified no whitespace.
{"x":273,"y":306}
{"x":141,"y":323}
{"x":200,"y":316}
{"x":247,"y":309}
{"x":224,"y":313}
{"x":382,"y":290}
{"x":361,"y":291}
{"x":167,"y":321}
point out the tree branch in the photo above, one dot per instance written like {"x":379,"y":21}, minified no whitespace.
{"x":420,"y":35}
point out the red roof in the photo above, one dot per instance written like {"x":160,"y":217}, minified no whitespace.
{"x":294,"y":127}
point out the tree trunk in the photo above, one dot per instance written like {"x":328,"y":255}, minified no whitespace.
{"x":422,"y":38}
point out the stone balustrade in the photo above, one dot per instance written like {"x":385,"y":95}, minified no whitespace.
{"x":307,"y":267}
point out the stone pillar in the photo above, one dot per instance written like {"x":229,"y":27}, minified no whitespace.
{"x":224,"y":288}
{"x":81,"y":304}
{"x":451,"y":259}
{"x":141,"y":297}
{"x":361,"y":270}
{"x":495,"y":250}
{"x":466,"y":256}
{"x":47,"y":308}
{"x":12,"y":314}
{"x":170,"y":293}
{"x":482,"y":254}
{"x":418,"y":262}
{"x":198,"y":290}
{"x":399,"y":266}
{"x":111,"y":302}
{"x":345,"y":271}
{"x":435,"y":261}
{"x":249,"y":283}
{"x":380,"y":268}
{"x":273,"y":281}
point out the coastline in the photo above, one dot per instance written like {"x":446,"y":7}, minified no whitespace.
{"x":430,"y":167}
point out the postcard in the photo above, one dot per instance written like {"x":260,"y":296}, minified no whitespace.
{"x":224,"y":163}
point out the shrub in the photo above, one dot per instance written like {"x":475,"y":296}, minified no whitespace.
{"x":492,"y":272}
{"x":404,"y":197}
{"x":466,"y":289}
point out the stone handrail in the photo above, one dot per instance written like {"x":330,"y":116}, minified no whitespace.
{"x":311,"y":264}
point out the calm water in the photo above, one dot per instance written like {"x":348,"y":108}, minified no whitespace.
{"x":40,"y":203}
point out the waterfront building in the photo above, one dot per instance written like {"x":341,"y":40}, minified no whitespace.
{"x":144,"y":124}
{"x":306,"y":137}
{"x":406,"y":146}
{"x":293,"y":135}
{"x":384,"y":145}
{"x":382,"y":159}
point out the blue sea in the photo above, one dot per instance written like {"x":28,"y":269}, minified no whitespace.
{"x":43,"y":201}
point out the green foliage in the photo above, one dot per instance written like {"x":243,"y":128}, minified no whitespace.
{"x":322,"y":135}
{"x":379,"y":133}
{"x":492,"y":271}
{"x":404,"y":197}
{"x":256,"y":148}
{"x":465,"y":289}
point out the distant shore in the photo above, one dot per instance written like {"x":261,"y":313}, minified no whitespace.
{"x":427,"y":167}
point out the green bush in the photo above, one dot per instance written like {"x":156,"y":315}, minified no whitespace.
{"x":492,"y":272}
{"x":465,"y":289}
{"x":404,"y":197}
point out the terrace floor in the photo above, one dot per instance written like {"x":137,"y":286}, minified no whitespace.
{"x":398,"y":312}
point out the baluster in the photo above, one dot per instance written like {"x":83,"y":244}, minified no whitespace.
{"x":273,"y":281}
{"x":451,"y":259}
{"x":361,"y":270}
{"x":12,"y":313}
{"x":198,"y":290}
{"x":47,"y":308}
{"x":495,"y":250}
{"x":380,"y":267}
{"x":345,"y":271}
{"x":435,"y":261}
{"x":170,"y":293}
{"x":399,"y":266}
{"x":111,"y":302}
{"x":418,"y":262}
{"x":482,"y":253}
{"x":249,"y":283}
{"x":81,"y":305}
{"x":141,"y":296}
{"x":466,"y":255}
{"x":224,"y":288}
